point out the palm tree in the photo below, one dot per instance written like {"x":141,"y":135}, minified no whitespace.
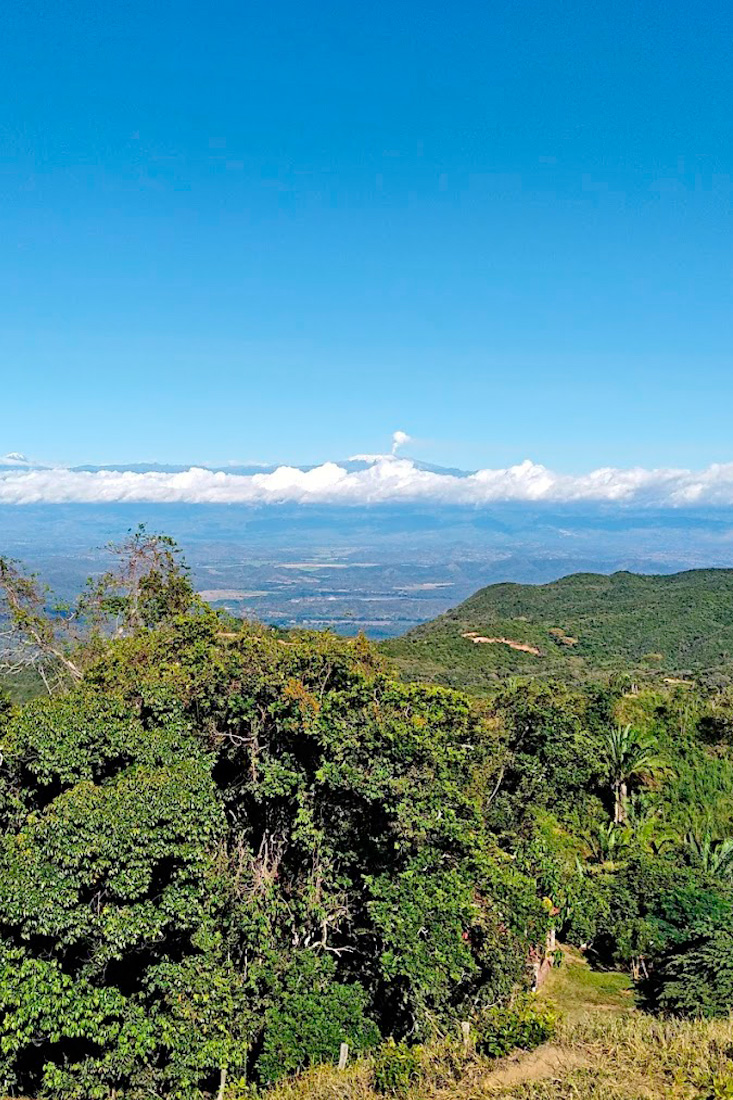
{"x":647,"y":829}
{"x":631,"y":758}
{"x":607,"y":845}
{"x":715,"y":856}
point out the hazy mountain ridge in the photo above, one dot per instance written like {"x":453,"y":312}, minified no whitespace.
{"x":16,"y":461}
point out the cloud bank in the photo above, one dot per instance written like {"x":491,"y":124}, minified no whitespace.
{"x":386,"y":479}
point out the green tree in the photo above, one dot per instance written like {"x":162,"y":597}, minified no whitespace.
{"x":696,"y":979}
{"x":631,"y":758}
{"x":550,"y":752}
{"x":242,"y":850}
{"x":149,"y":585}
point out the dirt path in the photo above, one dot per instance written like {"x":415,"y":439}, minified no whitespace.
{"x":549,"y":1060}
{"x":580,"y":993}
{"x":479,"y":639}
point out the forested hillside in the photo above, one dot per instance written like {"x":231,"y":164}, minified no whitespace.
{"x":578,"y":627}
{"x":226,"y":851}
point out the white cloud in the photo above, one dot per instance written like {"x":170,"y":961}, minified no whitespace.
{"x":399,"y":439}
{"x":388,"y":479}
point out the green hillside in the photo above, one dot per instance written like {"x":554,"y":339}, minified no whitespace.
{"x":580,"y":625}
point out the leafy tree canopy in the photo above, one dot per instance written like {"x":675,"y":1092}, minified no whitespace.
{"x":226,"y":851}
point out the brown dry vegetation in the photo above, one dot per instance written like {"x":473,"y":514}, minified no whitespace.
{"x":630,"y":1057}
{"x":604,"y":1050}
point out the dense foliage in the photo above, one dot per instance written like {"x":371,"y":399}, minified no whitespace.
{"x":225,"y":851}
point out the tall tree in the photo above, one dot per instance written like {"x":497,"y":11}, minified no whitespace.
{"x":31,"y":636}
{"x":631,"y":757}
{"x":149,"y":584}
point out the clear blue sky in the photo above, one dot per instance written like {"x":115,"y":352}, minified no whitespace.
{"x":280,"y":231}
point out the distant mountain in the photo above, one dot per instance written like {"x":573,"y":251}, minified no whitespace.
{"x":14,"y":460}
{"x":576,"y":626}
{"x":351,"y":465}
{"x":171,"y":468}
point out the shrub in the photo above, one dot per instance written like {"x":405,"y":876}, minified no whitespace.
{"x":696,"y":980}
{"x":523,"y":1026}
{"x":310,"y":1019}
{"x":396,"y":1068}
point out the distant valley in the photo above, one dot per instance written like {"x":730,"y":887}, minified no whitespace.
{"x":383,"y":569}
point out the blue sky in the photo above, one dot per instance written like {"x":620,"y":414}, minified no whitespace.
{"x":280,"y":231}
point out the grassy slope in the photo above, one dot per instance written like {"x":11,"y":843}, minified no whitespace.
{"x":604,"y":1050}
{"x":577,"y":991}
{"x":679,"y":622}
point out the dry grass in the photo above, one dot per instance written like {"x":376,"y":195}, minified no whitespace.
{"x":603,"y":1050}
{"x":606,"y":1057}
{"x":634,"y":1058}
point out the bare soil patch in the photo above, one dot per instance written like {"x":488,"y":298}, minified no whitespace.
{"x":479,"y":639}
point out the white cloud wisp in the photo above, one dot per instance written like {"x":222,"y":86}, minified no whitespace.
{"x":388,"y":479}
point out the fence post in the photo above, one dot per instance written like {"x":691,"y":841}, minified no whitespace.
{"x":343,"y":1055}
